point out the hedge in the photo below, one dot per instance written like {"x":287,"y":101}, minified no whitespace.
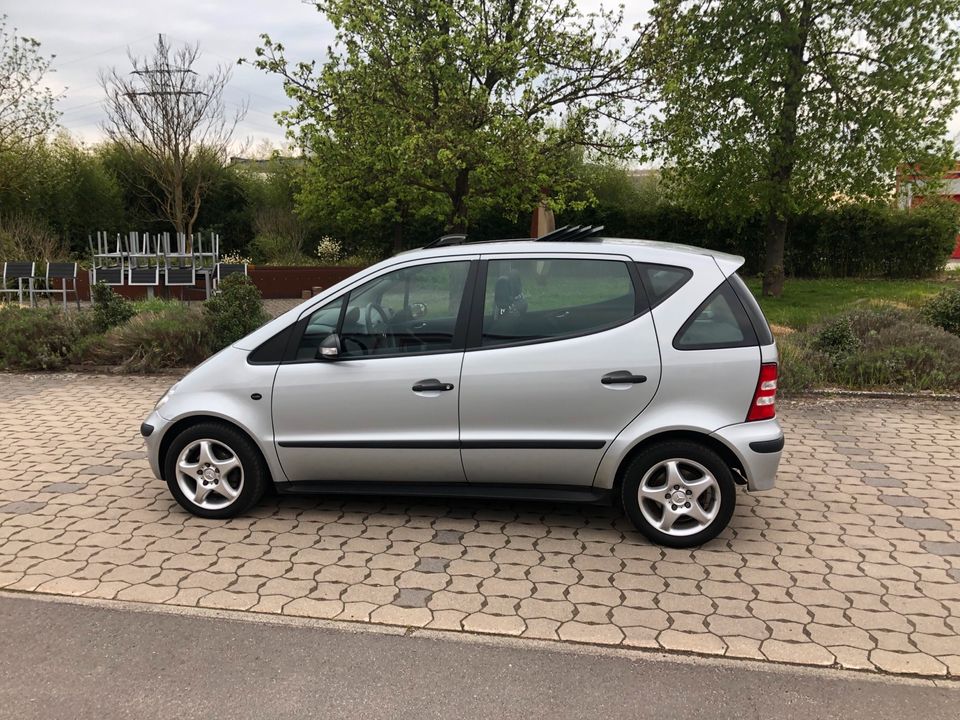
{"x":856,"y":240}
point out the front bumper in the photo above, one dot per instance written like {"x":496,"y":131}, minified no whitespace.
{"x":759,"y":446}
{"x":152,"y":440}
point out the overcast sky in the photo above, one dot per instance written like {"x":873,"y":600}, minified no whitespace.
{"x":89,"y":35}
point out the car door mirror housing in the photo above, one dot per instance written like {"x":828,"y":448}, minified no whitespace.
{"x":331,"y":348}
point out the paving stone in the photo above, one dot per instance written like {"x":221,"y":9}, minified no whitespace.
{"x":99,"y":470}
{"x":924,"y":523}
{"x":432,"y":565}
{"x":22,"y":507}
{"x":132,"y":455}
{"x":448,"y":537}
{"x":903,"y":501}
{"x":413,"y":598}
{"x":947,"y":549}
{"x":836,"y":565}
{"x":63,"y":487}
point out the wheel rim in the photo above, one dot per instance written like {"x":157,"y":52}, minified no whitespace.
{"x":679,"y":497}
{"x":209,"y":474}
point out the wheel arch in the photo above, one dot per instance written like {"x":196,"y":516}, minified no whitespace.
{"x":190,"y":421}
{"x":725,"y":453}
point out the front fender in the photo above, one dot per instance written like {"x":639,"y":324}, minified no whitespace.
{"x":230,"y":402}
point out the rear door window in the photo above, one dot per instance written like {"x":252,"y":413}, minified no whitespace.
{"x":529,"y":300}
{"x":719,"y":322}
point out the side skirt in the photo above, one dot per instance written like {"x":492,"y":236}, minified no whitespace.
{"x":546,"y":493}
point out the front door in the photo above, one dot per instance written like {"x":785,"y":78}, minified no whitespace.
{"x":387,"y":409}
{"x":567,"y":357}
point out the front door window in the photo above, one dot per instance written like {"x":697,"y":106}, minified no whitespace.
{"x":412,"y":310}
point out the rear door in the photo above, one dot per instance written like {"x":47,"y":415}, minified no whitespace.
{"x":562,"y":354}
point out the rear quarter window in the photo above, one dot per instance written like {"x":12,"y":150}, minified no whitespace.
{"x":720,"y":322}
{"x":662,"y":281}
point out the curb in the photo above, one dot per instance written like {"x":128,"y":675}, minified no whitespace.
{"x":872,"y":395}
{"x":496,"y":639}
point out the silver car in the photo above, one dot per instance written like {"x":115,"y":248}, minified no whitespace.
{"x":584,"y":370}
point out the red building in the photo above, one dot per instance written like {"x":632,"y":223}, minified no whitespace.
{"x":910,"y":192}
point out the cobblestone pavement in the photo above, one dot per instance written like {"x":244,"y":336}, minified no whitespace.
{"x":854,"y":560}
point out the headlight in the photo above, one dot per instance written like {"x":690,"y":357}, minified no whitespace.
{"x":166,"y":396}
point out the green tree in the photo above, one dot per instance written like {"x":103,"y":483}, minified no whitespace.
{"x":445,"y":108}
{"x":27,"y":111}
{"x":780,"y":106}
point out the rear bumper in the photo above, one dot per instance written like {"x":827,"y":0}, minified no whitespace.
{"x":759,"y":446}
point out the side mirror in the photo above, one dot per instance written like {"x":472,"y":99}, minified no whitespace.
{"x":330,"y":348}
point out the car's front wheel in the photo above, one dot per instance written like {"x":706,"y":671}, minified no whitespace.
{"x":214,"y":471}
{"x":678,"y":493}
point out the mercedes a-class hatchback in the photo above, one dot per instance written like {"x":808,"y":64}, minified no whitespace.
{"x":568,"y":368}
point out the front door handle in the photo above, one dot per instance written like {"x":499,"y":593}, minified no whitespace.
{"x":432,"y":385}
{"x":623,"y":377}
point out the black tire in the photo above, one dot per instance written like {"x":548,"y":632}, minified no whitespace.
{"x":682,"y":450}
{"x":256,"y":477}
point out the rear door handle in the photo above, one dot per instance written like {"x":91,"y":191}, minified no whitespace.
{"x":432,"y":385}
{"x":622,"y":377}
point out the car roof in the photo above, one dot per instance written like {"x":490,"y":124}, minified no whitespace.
{"x":641,"y":250}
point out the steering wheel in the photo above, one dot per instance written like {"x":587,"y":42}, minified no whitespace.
{"x":368,"y":319}
{"x":384,"y":339}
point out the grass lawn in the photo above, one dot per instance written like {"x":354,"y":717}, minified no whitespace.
{"x":805,"y":302}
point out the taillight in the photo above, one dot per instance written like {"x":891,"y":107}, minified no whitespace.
{"x":763,"y":406}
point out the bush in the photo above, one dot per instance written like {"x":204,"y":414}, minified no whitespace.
{"x":279,"y":250}
{"x":154,"y":340}
{"x":39,"y":338}
{"x":23,"y":237}
{"x":836,"y":339}
{"x":235,"y":311}
{"x":109,"y":309}
{"x":943,"y":311}
{"x":874,"y":348}
{"x":907,"y":355}
{"x":801,"y":369}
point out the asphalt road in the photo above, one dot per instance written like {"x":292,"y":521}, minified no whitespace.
{"x":66,"y":660}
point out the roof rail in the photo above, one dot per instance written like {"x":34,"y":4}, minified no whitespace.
{"x":570,"y":234}
{"x":451,"y":239}
{"x":566,"y":233}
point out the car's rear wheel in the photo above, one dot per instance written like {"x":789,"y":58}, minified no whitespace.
{"x":214,"y":471}
{"x":679,"y":494}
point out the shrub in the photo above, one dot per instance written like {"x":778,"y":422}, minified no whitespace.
{"x":154,"y":304}
{"x":279,"y":250}
{"x":836,"y":339}
{"x":329,"y":251}
{"x":907,"y":355}
{"x":154,"y":340}
{"x":109,"y":309}
{"x":39,"y":338}
{"x":801,"y":368}
{"x":943,"y":311}
{"x":235,"y":311}
{"x":24,"y":237}
{"x":873,"y":348}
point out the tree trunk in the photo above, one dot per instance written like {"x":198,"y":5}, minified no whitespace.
{"x":458,"y":198}
{"x":783,"y":150}
{"x":773,"y":275}
{"x":397,"y":236}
